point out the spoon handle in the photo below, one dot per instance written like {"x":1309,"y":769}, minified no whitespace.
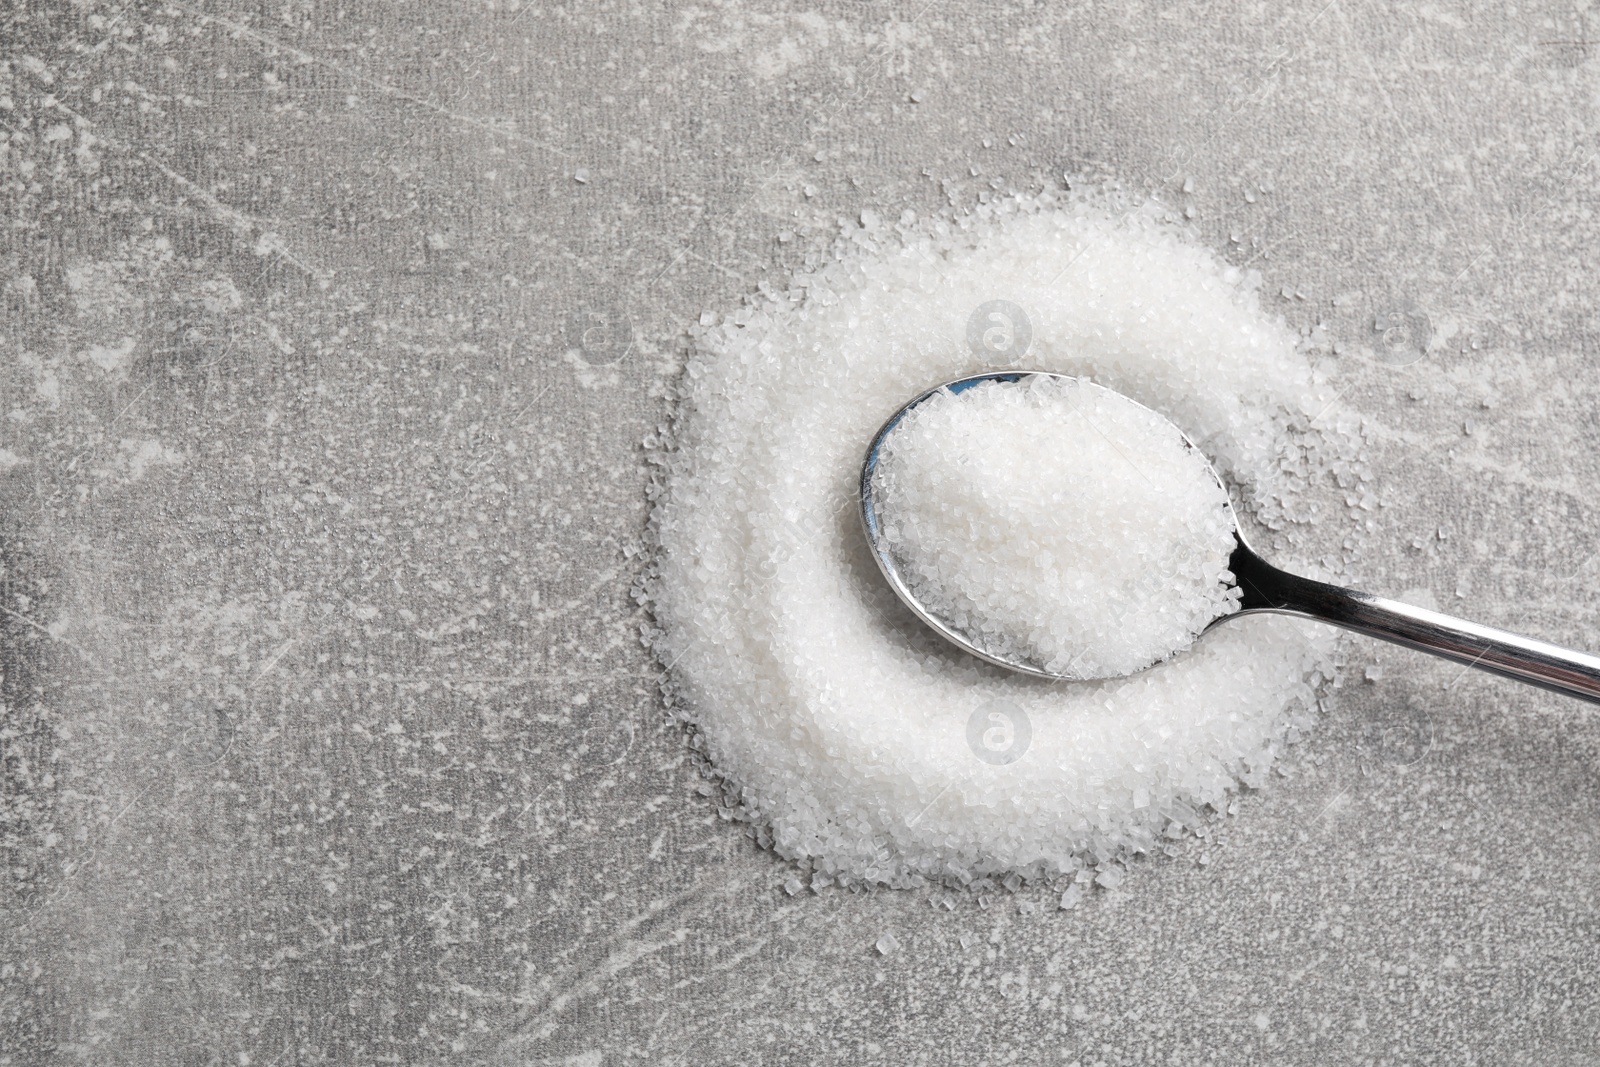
{"x":1266,"y":588}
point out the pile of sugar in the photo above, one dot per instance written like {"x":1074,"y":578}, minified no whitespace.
{"x":858,"y":742}
{"x":1056,"y":524}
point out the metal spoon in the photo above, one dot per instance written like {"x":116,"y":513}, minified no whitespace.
{"x":1264,"y":587}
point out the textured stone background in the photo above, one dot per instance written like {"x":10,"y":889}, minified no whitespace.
{"x":327,"y":735}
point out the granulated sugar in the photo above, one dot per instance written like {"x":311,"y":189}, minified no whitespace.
{"x":856,"y":740}
{"x":1055,"y":523}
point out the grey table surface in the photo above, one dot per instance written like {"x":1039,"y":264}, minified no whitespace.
{"x":327,"y":733}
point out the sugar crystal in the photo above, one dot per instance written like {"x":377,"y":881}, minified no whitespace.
{"x":1057,"y":524}
{"x":866,"y":744}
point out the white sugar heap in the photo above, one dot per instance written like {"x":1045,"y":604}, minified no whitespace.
{"x":856,"y":740}
{"x":1056,"y":524}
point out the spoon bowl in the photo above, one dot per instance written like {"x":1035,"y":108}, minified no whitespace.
{"x":1262,"y":588}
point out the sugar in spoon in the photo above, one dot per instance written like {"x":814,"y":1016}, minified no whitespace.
{"x":1263,"y":588}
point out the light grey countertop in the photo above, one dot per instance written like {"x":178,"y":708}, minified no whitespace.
{"x":327,"y":732}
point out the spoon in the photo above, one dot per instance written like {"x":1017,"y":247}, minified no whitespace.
{"x":1264,"y":587}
